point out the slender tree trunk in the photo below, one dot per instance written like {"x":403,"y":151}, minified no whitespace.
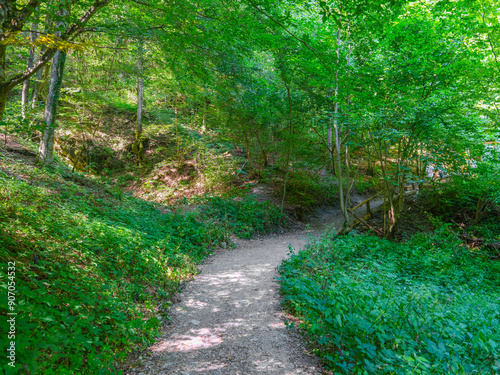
{"x":140,"y":91}
{"x":330,"y":148}
{"x":337,"y":142}
{"x":46,"y":149}
{"x":29,"y":65}
{"x":249,"y":154}
{"x":39,"y":73}
{"x":3,"y":90}
{"x":36,"y":88}
{"x":138,"y":146}
{"x":289,"y":151}
{"x":204,"y":120}
{"x":140,"y":102}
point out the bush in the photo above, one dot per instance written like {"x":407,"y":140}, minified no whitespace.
{"x":372,"y":306}
{"x":306,"y":190}
{"x":468,"y":193}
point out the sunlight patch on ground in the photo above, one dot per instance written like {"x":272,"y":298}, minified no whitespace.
{"x":267,"y":364}
{"x":207,"y":366}
{"x":200,"y":339}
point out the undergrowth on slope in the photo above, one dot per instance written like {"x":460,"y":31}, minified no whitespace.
{"x":427,"y":306}
{"x":305,"y":190}
{"x":472,"y":201}
{"x":94,"y":268}
{"x":245,"y":217}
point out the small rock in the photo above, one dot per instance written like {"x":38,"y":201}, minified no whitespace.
{"x":195,"y":322}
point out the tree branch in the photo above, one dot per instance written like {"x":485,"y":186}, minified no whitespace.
{"x":18,"y":23}
{"x":73,"y":31}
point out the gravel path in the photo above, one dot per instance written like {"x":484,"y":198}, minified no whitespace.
{"x":229,"y":320}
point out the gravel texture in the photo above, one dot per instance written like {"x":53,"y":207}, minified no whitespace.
{"x":229,"y":319}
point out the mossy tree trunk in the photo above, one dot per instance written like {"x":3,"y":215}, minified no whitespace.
{"x":46,"y":149}
{"x":138,"y":145}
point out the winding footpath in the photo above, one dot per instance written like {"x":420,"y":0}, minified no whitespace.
{"x":229,"y":320}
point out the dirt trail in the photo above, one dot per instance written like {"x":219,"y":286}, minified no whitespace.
{"x":229,"y":319}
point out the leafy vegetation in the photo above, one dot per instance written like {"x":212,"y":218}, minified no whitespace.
{"x":195,"y":102}
{"x":95,"y":268}
{"x":428,"y":306}
{"x":245,"y":217}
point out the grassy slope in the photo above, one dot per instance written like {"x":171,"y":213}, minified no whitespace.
{"x":93,"y":268}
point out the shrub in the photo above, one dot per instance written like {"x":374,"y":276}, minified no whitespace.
{"x":244,"y":217}
{"x":306,"y":190}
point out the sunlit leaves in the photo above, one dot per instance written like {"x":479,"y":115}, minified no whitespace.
{"x":48,"y":41}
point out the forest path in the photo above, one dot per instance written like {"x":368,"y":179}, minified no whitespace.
{"x":229,"y":320}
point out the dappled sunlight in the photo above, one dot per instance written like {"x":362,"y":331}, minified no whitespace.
{"x":195,"y":304}
{"x":198,"y":339}
{"x":229,"y":320}
{"x":245,"y":321}
{"x":267,"y":364}
{"x":279,"y":325}
{"x":208,"y":366}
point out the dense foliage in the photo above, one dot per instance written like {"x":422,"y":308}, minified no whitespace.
{"x":196,"y":102}
{"x":245,"y":217}
{"x":96,"y":268}
{"x":428,"y":306}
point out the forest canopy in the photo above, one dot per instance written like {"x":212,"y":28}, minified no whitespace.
{"x":130,"y":111}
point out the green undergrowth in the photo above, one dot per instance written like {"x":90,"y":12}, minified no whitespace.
{"x":244,"y":217}
{"x":471,"y":200}
{"x":94,"y":269}
{"x":304,"y":190}
{"x":370,"y":306}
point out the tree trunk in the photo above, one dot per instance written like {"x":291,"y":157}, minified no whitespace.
{"x":36,"y":88}
{"x":331,"y":164}
{"x":29,"y":65}
{"x":3,"y":91}
{"x":39,"y":74}
{"x":46,"y":149}
{"x":337,"y":142}
{"x":138,"y":146}
{"x":140,"y":100}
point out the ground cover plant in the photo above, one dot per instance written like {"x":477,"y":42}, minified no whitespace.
{"x":427,"y":306}
{"x":94,"y":269}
